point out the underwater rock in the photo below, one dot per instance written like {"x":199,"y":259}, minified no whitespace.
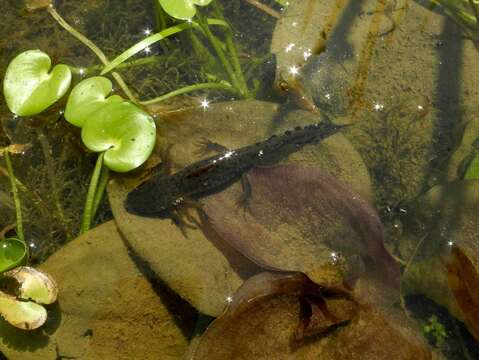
{"x":106,"y":306}
{"x":202,"y":272}
{"x":286,"y":316}
{"x":446,"y":269}
{"x":299,"y":218}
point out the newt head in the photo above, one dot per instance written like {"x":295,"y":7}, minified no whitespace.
{"x":148,"y":199}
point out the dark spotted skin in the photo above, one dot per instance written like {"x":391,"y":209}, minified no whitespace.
{"x":164,"y":193}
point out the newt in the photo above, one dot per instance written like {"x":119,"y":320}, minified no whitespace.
{"x":163,"y":195}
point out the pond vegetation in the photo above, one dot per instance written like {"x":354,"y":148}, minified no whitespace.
{"x":273,"y":237}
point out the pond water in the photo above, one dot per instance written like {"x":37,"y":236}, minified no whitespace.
{"x":311,"y":189}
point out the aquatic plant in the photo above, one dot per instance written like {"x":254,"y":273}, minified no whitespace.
{"x":436,"y":330}
{"x":29,"y":87}
{"x":123,"y":133}
{"x":226,"y":52}
{"x":13,"y":251}
{"x":182,"y":9}
{"x":464,"y":12}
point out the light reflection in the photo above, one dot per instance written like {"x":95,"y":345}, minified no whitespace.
{"x":147,"y":31}
{"x":307,"y":54}
{"x":450,"y":243}
{"x":334,"y":256}
{"x":205,"y":104}
{"x":293,"y":70}
{"x":378,"y":107}
{"x":289,"y":47}
{"x":229,"y":299}
{"x":81,"y":71}
{"x":227,"y":155}
{"x":147,"y":50}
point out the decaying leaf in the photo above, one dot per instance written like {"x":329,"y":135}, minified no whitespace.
{"x":287,"y":316}
{"x":299,"y":218}
{"x":447,"y":267}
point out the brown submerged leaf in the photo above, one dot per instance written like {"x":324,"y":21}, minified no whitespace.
{"x":298,"y":219}
{"x":287,"y":316}
{"x":447,"y":267}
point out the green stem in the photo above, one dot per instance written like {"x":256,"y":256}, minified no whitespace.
{"x":219,"y":51}
{"x":232,"y":50}
{"x":96,"y":50}
{"x":16,"y":200}
{"x":90,"y":197}
{"x":475,"y":10}
{"x":133,"y":63}
{"x":105,"y":173}
{"x":222,"y":86}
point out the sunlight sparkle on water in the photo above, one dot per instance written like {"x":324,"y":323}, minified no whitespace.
{"x":289,"y":47}
{"x":205,"y":104}
{"x":307,"y":54}
{"x":378,"y":107}
{"x":293,"y":70}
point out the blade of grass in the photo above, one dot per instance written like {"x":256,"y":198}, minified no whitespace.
{"x":18,"y":204}
{"x":95,"y":49}
{"x":233,"y":54}
{"x":221,"y":86}
{"x":150,"y":40}
{"x":90,"y":197}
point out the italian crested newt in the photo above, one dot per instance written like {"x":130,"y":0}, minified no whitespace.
{"x":163,"y":195}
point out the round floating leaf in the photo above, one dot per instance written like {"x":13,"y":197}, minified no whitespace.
{"x":126,"y":133}
{"x":12,"y":253}
{"x":87,"y":97}
{"x":29,"y":87}
{"x":182,"y":9}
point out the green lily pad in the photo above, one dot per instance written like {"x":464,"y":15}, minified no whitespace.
{"x":29,"y":87}
{"x":87,"y":97}
{"x":182,"y":9}
{"x":124,"y":132}
{"x":12,"y":253}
